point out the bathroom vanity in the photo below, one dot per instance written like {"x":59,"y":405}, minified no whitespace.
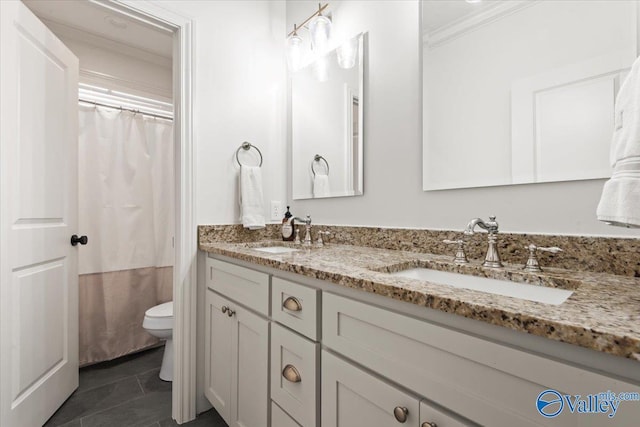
{"x":333,"y":337}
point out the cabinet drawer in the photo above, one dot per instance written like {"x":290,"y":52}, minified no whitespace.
{"x":246,"y":286}
{"x":295,"y":306}
{"x":294,"y":373}
{"x":352,"y":397}
{"x":279,"y":418}
{"x":489,"y":383}
{"x":432,"y":416}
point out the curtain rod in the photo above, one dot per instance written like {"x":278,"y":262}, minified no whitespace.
{"x":121,"y":108}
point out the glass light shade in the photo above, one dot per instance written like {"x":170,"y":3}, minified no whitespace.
{"x":347,"y":54}
{"x":320,"y":30}
{"x":294,"y":52}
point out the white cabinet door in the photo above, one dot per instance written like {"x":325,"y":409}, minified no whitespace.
{"x":249,"y":386}
{"x":237,"y":362}
{"x":354,"y":398}
{"x":38,"y":215}
{"x":218,"y":354}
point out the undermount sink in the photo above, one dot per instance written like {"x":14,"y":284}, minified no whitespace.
{"x":553,"y":296}
{"x":276,"y":249}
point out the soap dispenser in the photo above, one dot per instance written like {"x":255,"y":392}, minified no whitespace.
{"x":287,"y":227}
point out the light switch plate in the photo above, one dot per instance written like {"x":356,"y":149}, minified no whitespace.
{"x":276,"y":210}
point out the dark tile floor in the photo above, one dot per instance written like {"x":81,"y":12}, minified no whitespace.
{"x":125,"y":392}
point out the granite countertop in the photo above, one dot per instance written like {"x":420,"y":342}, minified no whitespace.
{"x":603,"y":313}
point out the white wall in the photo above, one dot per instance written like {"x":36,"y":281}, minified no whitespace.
{"x":239,"y":95}
{"x":393,"y":193}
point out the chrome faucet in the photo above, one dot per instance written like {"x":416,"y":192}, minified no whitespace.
{"x":491,"y":226}
{"x":307,"y":227}
{"x":492,"y":259}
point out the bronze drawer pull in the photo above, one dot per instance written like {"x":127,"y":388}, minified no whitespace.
{"x":290,"y":373}
{"x":292,"y":304}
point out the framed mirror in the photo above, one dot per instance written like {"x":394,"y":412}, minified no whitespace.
{"x":327,"y":100}
{"x":522,"y":92}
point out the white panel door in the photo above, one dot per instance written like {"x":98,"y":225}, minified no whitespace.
{"x":38,"y":214}
{"x":218,"y":354}
{"x":562,"y":120}
{"x":354,"y":398}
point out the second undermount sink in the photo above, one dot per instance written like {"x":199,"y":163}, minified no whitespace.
{"x":553,"y":296}
{"x":276,"y":249}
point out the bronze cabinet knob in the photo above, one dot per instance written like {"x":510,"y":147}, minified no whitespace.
{"x":401,"y":413}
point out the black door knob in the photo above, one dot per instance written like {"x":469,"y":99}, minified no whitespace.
{"x":75,"y":240}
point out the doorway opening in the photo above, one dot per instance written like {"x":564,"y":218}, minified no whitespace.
{"x":100,"y":33}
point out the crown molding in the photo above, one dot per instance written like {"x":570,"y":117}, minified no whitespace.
{"x":464,"y":25}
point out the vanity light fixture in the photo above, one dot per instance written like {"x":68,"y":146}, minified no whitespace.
{"x":347,"y":53}
{"x":319,"y":27}
{"x":294,"y":50}
{"x":320,"y":30}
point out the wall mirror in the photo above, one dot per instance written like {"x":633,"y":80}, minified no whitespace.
{"x":327,"y":100}
{"x":522,"y":91}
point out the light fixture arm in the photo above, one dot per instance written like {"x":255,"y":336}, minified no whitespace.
{"x":321,"y":8}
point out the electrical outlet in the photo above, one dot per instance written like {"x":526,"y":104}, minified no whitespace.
{"x":276,"y":210}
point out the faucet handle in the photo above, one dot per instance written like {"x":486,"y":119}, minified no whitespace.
{"x":532,"y":264}
{"x":297,"y":238}
{"x":319,"y":241}
{"x":552,"y":249}
{"x":461,"y":256}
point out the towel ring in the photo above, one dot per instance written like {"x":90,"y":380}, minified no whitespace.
{"x":247,"y":146}
{"x":317,"y":158}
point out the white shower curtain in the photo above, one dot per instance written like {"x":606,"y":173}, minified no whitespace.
{"x":126,"y":203}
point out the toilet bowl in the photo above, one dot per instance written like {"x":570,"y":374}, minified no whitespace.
{"x":158,"y":321}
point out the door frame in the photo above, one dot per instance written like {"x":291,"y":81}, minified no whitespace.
{"x":186,"y":243}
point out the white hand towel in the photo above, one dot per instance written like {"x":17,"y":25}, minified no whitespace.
{"x":321,"y":186}
{"x":620,"y":201}
{"x":251,"y":200}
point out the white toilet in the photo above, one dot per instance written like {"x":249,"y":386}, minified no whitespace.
{"x":158,"y":321}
